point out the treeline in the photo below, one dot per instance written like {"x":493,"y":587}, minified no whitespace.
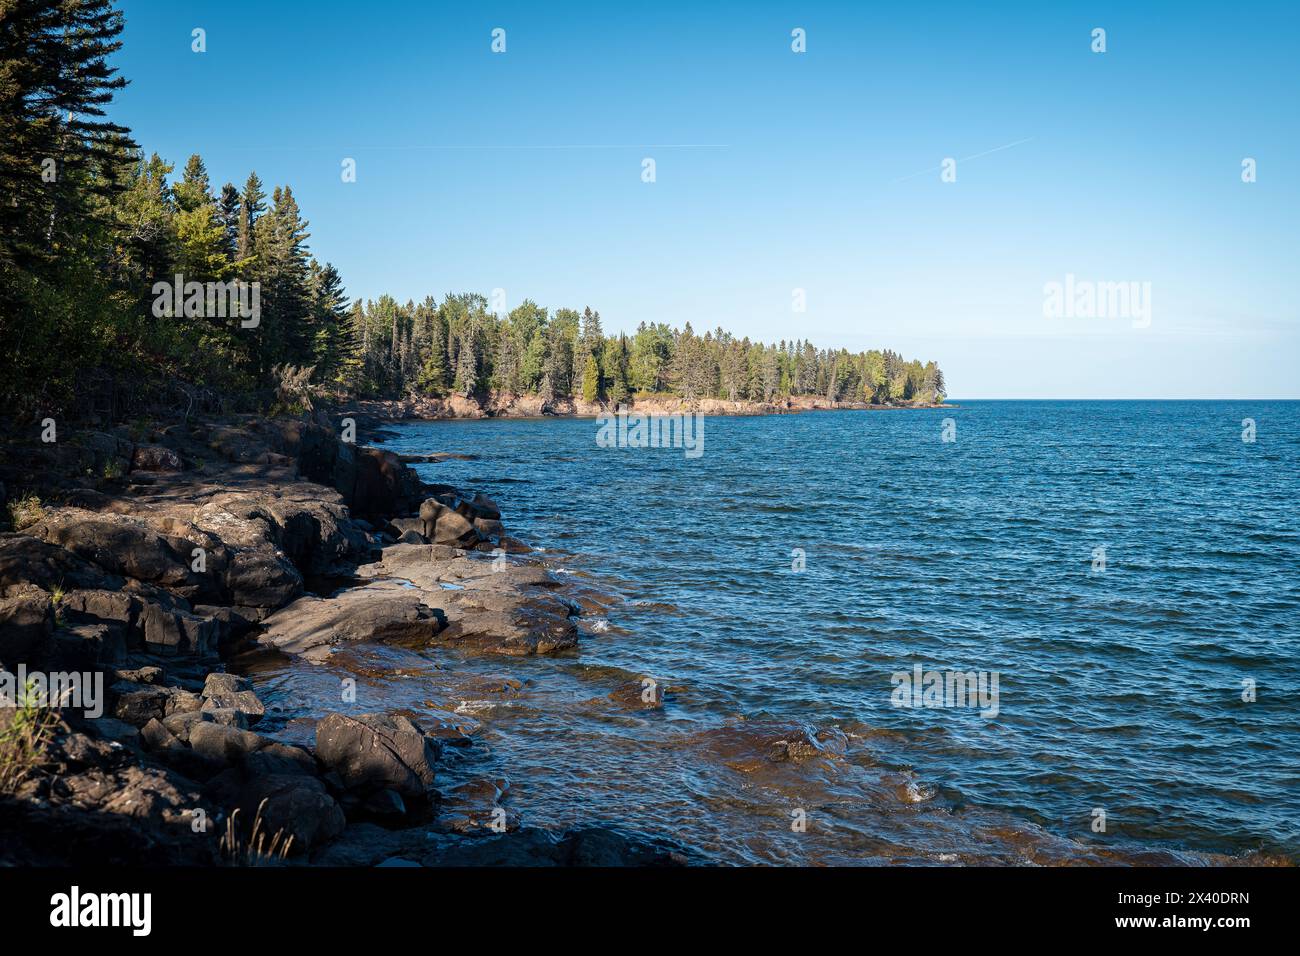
{"x":89,"y":225}
{"x":459,"y":347}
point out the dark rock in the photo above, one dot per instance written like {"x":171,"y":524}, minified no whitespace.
{"x":376,"y":752}
{"x":26,"y":621}
{"x":295,"y":804}
{"x":155,"y":458}
{"x":262,"y":579}
{"x":230,"y":692}
{"x":137,"y":704}
{"x":224,"y":745}
{"x":171,"y":633}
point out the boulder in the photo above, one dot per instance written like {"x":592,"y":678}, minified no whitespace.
{"x":376,"y":752}
{"x":454,"y":529}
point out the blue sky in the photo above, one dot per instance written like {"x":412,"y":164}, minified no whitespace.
{"x":777,"y":171}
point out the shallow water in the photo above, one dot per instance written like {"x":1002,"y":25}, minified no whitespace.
{"x":1120,"y":688}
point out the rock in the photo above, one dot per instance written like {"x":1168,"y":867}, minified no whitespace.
{"x":454,"y":529}
{"x":430,"y":510}
{"x":154,"y":676}
{"x":26,"y":620}
{"x":137,"y":704}
{"x":485,"y":507}
{"x":224,"y":745}
{"x":383,"y":611}
{"x":226,"y":716}
{"x":295,"y":804}
{"x":262,"y":579}
{"x":384,"y":803}
{"x":180,"y":724}
{"x":122,"y":545}
{"x":510,"y":623}
{"x":87,"y":647}
{"x":182,"y":701}
{"x":514,"y":545}
{"x":171,"y":633}
{"x":156,"y":736}
{"x":276,"y":758}
{"x":117,"y":731}
{"x":489,"y":528}
{"x":375,"y":752}
{"x":585,"y":846}
{"x":155,"y":458}
{"x":230,"y":692}
{"x":28,"y":560}
{"x":475,"y":807}
{"x":643,"y":694}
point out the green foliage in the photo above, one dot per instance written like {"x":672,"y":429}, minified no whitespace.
{"x":25,"y":511}
{"x":27,"y":728}
{"x":80,"y":255}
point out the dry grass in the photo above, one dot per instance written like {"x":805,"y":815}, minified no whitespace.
{"x":260,"y":849}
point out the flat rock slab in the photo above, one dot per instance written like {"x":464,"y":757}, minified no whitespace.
{"x":382,"y":611}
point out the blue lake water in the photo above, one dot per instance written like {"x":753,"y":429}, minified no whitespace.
{"x":1120,"y":683}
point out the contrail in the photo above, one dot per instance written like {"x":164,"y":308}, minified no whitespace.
{"x":963,"y":159}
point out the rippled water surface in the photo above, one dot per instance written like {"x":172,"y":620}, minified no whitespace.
{"x":1120,"y":689}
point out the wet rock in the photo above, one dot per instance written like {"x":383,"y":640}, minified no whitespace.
{"x":514,"y":545}
{"x":512,"y":623}
{"x":475,"y":807}
{"x":643,"y":694}
{"x":587,"y":846}
{"x":375,"y":752}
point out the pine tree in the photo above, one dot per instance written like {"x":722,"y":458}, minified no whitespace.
{"x":228,"y":206}
{"x":252,"y":205}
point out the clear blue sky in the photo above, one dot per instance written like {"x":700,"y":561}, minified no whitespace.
{"x":779,"y":171}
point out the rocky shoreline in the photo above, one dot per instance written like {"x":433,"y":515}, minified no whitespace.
{"x":206,"y":541}
{"x":509,"y":405}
